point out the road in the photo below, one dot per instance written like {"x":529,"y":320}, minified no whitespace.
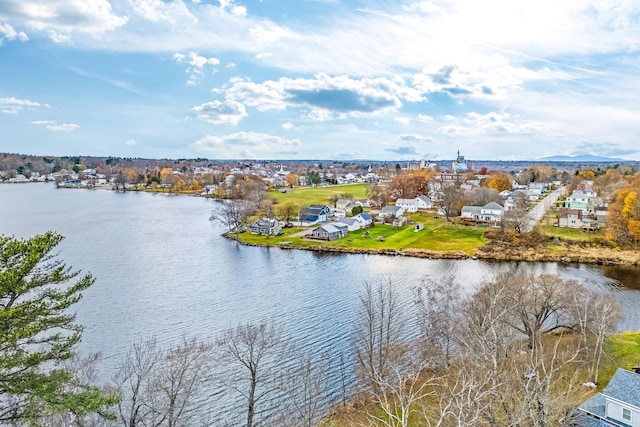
{"x":541,"y":208}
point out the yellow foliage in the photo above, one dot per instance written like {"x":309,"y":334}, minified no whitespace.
{"x":630,"y":208}
{"x":500,"y":183}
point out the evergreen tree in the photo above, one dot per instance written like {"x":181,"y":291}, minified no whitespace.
{"x":38,"y":333}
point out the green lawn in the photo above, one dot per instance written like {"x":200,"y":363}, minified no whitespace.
{"x":623,"y":351}
{"x":438,"y":235}
{"x":570,"y":233}
{"x":304,"y":196}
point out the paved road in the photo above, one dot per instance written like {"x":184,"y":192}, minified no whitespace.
{"x":541,"y":208}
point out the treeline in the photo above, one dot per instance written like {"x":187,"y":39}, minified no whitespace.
{"x":515,"y":352}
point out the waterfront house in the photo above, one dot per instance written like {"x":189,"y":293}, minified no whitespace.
{"x":617,"y":405}
{"x":329,"y":231}
{"x":570,"y":218}
{"x":491,"y":213}
{"x":314,"y":214}
{"x":351,"y":223}
{"x":364,"y":219}
{"x":265,"y":227}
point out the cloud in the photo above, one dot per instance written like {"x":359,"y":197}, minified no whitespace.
{"x":8,"y":33}
{"x":196,"y":66}
{"x":54,"y":126}
{"x":324,"y":96}
{"x":13,"y":105}
{"x":491,"y":123}
{"x":59,"y":19}
{"x":287,"y":125}
{"x":403,"y":151}
{"x":220,"y":112}
{"x":248,"y":145}
{"x":231,"y":6}
{"x":131,"y":142}
{"x":415,"y":138}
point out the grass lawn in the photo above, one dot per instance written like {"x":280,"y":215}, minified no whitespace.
{"x":570,"y":233}
{"x":437,"y":235}
{"x":304,"y":196}
{"x":624,"y":352}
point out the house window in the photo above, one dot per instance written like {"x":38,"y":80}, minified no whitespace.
{"x":626,"y":414}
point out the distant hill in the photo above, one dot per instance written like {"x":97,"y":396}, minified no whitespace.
{"x":581,"y":158}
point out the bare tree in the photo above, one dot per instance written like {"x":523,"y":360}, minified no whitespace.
{"x":161,"y":388}
{"x":409,"y":380}
{"x":234,"y":214}
{"x":517,"y":217}
{"x":253,"y":357}
{"x":450,"y":200}
{"x":439,"y":316}
{"x":306,"y":391}
{"x":377,"y":332}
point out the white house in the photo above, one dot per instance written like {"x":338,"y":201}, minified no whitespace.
{"x":364,"y":219}
{"x":617,"y":405}
{"x":490,"y":213}
{"x":351,"y":223}
{"x":409,"y":205}
{"x":391,"y":211}
{"x":424,"y":202}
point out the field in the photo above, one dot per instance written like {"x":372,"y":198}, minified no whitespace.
{"x":304,"y":196}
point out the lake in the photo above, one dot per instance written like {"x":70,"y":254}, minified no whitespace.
{"x":162,"y":269}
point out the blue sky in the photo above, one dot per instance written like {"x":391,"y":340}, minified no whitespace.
{"x":320,"y":79}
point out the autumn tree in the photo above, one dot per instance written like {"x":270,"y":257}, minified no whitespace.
{"x":292,"y":179}
{"x":287,"y":210}
{"x":500,"y":182}
{"x":623,"y":225}
{"x":378,"y":195}
{"x":408,"y":186}
{"x":38,"y":333}
{"x":481,"y":196}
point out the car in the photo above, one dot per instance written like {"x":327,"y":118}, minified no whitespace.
{"x":288,"y":225}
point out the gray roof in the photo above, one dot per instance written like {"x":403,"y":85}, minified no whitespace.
{"x":624,"y":386}
{"x":472,"y":209}
{"x":348,"y":221}
{"x":391,"y":209}
{"x":492,"y":205}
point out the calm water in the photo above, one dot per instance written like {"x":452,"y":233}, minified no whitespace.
{"x":163,"y":270}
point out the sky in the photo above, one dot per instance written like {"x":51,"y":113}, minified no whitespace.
{"x":320,"y":79}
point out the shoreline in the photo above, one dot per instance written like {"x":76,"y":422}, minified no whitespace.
{"x":489,"y":252}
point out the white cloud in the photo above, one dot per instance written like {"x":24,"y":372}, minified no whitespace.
{"x":59,"y":19}
{"x":231,"y":6}
{"x":131,"y":142}
{"x":325,"y":97}
{"x":220,"y":112}
{"x":248,"y":145}
{"x":197,"y":64}
{"x":287,"y":125}
{"x":492,"y":124}
{"x":7,"y":32}
{"x":12,"y":105}
{"x":402,"y":120}
{"x":54,"y":126}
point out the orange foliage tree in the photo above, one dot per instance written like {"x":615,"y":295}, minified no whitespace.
{"x":500,"y":182}
{"x":624,"y":216}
